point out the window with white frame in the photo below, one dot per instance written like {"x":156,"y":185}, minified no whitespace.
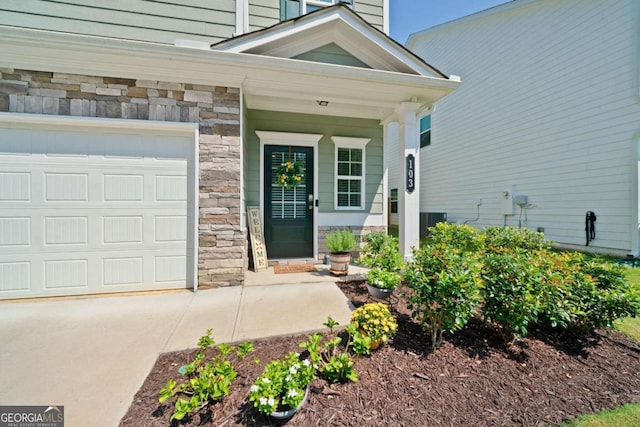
{"x":293,"y":8}
{"x":350,"y":160}
{"x":425,"y":131}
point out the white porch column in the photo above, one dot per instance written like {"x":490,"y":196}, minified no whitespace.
{"x":409,"y":202}
{"x":389,"y":138}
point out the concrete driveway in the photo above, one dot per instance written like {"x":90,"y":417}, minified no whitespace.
{"x":92,"y":354}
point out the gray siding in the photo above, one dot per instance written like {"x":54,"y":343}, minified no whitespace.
{"x":146,"y":20}
{"x":265,"y":13}
{"x":327,"y":126}
{"x":548,"y":106}
{"x":332,"y":54}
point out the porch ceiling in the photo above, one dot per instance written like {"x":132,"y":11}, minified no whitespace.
{"x":349,"y":91}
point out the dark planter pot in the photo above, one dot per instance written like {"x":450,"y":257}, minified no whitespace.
{"x":379,"y":293}
{"x":340,"y":263}
{"x":283,"y":415}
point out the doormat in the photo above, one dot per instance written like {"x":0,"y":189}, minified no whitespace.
{"x":294,"y":268}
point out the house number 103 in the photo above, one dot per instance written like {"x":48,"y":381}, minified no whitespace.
{"x":411,"y":173}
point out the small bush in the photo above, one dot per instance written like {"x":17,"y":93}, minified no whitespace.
{"x":464,"y":238}
{"x":512,"y":290}
{"x":497,"y":238}
{"x":381,"y":251}
{"x":445,"y":285}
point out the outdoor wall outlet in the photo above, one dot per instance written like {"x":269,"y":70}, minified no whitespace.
{"x":540,"y":230}
{"x":479,"y":202}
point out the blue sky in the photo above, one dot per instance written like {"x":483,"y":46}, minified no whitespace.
{"x":410,"y":16}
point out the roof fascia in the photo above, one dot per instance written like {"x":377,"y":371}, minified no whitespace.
{"x":72,"y":53}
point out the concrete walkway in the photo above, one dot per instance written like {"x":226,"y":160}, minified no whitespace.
{"x":92,"y":354}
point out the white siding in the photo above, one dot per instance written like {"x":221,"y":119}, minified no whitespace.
{"x":547,"y":107}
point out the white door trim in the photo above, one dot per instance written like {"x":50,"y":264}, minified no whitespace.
{"x":299,"y":140}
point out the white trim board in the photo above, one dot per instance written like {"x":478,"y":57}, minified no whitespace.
{"x":293,"y":139}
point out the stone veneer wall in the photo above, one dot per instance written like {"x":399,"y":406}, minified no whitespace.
{"x":222,"y":253}
{"x":359,"y":232}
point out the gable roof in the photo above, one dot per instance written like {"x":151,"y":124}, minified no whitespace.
{"x":337,"y":25}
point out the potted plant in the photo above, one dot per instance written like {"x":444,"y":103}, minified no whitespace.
{"x":339,"y":244}
{"x":283,"y":387}
{"x":381,"y":283}
{"x":375,"y":321}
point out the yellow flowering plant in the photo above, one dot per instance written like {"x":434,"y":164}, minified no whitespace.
{"x":289,"y":174}
{"x":375,"y":321}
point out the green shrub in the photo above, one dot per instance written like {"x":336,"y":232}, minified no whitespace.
{"x":381,"y":251}
{"x":512,"y":291}
{"x":340,"y":241}
{"x":603,"y":297}
{"x":445,"y":288}
{"x":464,"y":238}
{"x":383,"y":279}
{"x":496,"y":238}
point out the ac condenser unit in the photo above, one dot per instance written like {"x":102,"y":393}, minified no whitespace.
{"x":430,"y":219}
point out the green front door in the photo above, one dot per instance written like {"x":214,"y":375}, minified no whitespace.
{"x":288,"y":213}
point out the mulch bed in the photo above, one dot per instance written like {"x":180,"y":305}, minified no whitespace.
{"x":473,"y":379}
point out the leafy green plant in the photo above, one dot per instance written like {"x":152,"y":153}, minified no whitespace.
{"x":445,"y":284}
{"x":330,"y":323}
{"x":207,"y":382}
{"x":332,"y":364}
{"x":282,"y":385}
{"x":360,"y":344}
{"x":340,"y":241}
{"x":500,"y":238}
{"x":383,"y":279}
{"x":512,"y":292}
{"x":382,"y":252}
{"x":339,"y":369}
{"x":462,"y":238}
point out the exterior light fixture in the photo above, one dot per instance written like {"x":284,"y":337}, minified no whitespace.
{"x":322,"y":103}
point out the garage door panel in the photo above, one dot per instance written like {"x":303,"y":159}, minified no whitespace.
{"x":15,"y":231}
{"x":15,"y":186}
{"x":66,"y":273}
{"x":68,"y":187}
{"x":91,"y":212}
{"x":123,"y":188}
{"x":15,"y":276}
{"x":123,"y":271}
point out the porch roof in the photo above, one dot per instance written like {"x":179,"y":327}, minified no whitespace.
{"x":267,"y":82}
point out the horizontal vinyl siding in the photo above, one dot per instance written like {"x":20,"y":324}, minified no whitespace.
{"x":265,"y":13}
{"x":546,"y":105}
{"x":371,"y":11}
{"x":146,"y":20}
{"x":328,"y":127}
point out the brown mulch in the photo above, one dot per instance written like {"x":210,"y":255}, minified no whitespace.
{"x":474,"y":379}
{"x":294,"y":268}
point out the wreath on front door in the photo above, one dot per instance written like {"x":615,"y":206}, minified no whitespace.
{"x":289,"y":174}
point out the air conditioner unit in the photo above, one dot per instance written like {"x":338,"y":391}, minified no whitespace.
{"x":430,"y":219}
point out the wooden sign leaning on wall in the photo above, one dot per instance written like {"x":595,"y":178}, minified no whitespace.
{"x":259,"y":250}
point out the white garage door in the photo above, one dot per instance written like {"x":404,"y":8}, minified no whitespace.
{"x":94,"y":210}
